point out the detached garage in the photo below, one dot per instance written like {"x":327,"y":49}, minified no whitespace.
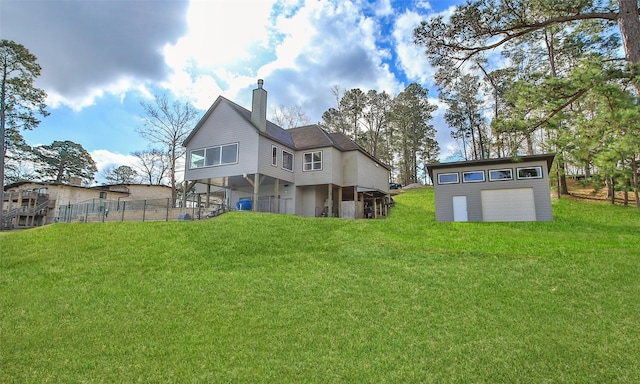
{"x":505,"y":189}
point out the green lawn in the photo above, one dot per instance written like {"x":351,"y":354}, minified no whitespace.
{"x":261,"y":298}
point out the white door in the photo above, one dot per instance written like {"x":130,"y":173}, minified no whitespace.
{"x":515,"y":204}
{"x":460,"y":208}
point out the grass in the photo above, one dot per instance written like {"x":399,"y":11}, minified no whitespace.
{"x":262,"y":298}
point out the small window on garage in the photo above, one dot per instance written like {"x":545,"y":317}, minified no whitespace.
{"x":500,"y":174}
{"x":103,"y":195}
{"x":448,"y":178}
{"x":472,"y":177}
{"x":529,"y":173}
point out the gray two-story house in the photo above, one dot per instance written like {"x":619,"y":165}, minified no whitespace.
{"x":240,"y":155}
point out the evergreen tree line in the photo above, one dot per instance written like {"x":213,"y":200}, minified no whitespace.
{"x":518,"y":78}
{"x":396,"y":130}
{"x":525,"y":77}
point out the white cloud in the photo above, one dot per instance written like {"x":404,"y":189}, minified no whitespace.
{"x":327,"y":44}
{"x":223,"y":30}
{"x":225,"y":40}
{"x":411,"y":58}
{"x":90,"y":48}
{"x":301,"y":52}
{"x":104,"y":158}
{"x":424,"y":5}
{"x":383,"y":8}
{"x":118,"y":87}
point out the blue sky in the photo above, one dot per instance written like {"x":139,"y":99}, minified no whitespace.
{"x":101,"y":58}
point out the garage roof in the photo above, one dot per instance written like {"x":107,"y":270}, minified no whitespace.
{"x":548,"y":157}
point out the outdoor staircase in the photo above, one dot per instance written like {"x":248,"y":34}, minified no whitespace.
{"x":32,"y":216}
{"x":7,"y":218}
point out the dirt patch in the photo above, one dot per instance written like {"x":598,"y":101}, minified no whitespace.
{"x":580,"y":191}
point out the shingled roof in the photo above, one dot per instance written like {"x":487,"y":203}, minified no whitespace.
{"x":299,"y":138}
{"x":273,"y":131}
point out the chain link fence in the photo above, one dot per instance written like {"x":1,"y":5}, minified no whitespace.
{"x":100,"y":210}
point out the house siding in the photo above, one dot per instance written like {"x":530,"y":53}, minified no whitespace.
{"x":306,"y":201}
{"x":331,"y":172}
{"x":444,"y":193}
{"x":350,"y":168}
{"x":337,"y":171}
{"x":213,"y":133}
{"x":264,"y":160}
{"x":371,"y":174}
{"x":360,"y":170}
{"x":143,"y":191}
{"x":311,"y":199}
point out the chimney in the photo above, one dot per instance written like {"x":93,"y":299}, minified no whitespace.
{"x":75,"y":181}
{"x":259,"y":107}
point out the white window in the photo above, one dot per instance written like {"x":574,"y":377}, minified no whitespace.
{"x":197,"y":158}
{"x":312,"y":161}
{"x":472,"y":177}
{"x":448,"y":178}
{"x":500,"y":174}
{"x":219,"y":155}
{"x":229,"y":154}
{"x":212,"y":156}
{"x":529,"y":173}
{"x":274,"y":155}
{"x":287,"y":160}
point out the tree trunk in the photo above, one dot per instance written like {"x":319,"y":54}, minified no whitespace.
{"x":558,"y":194}
{"x":530,"y":144}
{"x":2,"y":147}
{"x":587,"y":171}
{"x":473,"y":142}
{"x":612,"y":189}
{"x":174,"y":194}
{"x":634,"y":167}
{"x":629,"y":25}
{"x":562,"y":177}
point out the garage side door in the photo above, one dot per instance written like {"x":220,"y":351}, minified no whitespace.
{"x":515,"y":204}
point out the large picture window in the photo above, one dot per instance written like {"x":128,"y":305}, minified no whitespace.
{"x":312,"y":161}
{"x":287,"y":160}
{"x":197,"y":158}
{"x":448,"y":178}
{"x":214,"y":156}
{"x":229,"y":154}
{"x":529,"y":173}
{"x":500,"y":174}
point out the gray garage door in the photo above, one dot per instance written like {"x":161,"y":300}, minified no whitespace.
{"x":515,"y":204}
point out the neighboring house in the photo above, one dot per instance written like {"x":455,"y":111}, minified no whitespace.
{"x":31,"y":204}
{"x":138,"y":191}
{"x":305,"y":170}
{"x":505,"y":189}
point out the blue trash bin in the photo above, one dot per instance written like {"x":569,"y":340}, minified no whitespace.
{"x":243,"y":204}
